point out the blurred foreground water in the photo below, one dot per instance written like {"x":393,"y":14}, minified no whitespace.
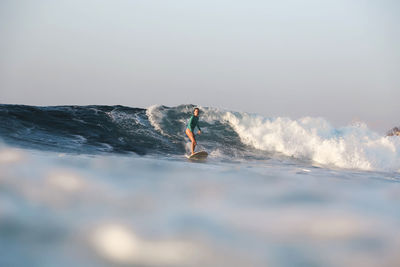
{"x":107,"y":210}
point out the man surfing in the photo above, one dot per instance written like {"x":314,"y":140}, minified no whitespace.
{"x":193,"y":122}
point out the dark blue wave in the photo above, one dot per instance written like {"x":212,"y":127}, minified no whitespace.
{"x":115,"y":129}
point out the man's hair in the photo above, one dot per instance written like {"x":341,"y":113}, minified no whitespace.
{"x":195,"y":109}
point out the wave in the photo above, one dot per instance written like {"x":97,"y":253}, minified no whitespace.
{"x":226,"y":134}
{"x":352,"y":147}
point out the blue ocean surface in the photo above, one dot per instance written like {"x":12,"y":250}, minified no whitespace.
{"x":111,"y":186}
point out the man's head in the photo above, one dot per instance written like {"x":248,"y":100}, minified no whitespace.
{"x":196,"y":111}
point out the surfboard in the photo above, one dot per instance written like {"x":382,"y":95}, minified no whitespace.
{"x":202,"y":155}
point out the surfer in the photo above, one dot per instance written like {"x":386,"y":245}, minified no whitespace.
{"x":193,"y":122}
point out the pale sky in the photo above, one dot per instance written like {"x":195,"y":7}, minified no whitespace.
{"x":336,"y":59}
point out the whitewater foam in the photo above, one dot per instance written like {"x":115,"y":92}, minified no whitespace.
{"x":154,"y":116}
{"x":354,"y":147}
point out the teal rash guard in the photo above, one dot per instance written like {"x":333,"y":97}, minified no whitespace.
{"x":193,"y":122}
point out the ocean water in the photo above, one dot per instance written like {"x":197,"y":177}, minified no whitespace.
{"x":110,"y":186}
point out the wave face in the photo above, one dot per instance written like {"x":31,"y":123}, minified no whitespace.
{"x":82,"y":129}
{"x":226,"y":134}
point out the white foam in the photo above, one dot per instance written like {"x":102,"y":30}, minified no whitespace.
{"x":155,"y":117}
{"x":314,"y":138}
